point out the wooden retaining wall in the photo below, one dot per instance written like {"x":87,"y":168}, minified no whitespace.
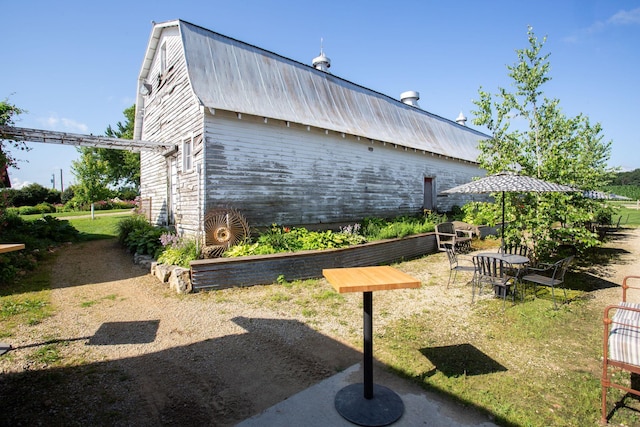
{"x":220,"y":273}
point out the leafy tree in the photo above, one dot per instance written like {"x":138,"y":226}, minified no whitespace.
{"x":93,"y":181}
{"x":531,"y":136}
{"x":32,"y":195}
{"x":8,"y":112}
{"x":121,"y":168}
{"x":627,"y":178}
{"x":68,"y":193}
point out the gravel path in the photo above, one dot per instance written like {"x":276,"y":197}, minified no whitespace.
{"x":135,"y":353}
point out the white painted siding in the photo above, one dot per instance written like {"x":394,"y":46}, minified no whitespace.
{"x":294,"y":176}
{"x":172,"y":114}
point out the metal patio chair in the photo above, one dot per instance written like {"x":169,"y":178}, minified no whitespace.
{"x":515,"y":249}
{"x":621,"y":344}
{"x":494,"y":272}
{"x":454,"y":264}
{"x":551,"y":275}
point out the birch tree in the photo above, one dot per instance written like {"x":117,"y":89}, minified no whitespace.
{"x":532,"y":136}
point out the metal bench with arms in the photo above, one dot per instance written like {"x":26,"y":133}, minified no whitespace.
{"x":447,"y":234}
{"x":621,"y":344}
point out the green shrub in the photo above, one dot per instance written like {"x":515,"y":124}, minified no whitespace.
{"x":248,"y":248}
{"x":37,"y":235}
{"x":396,"y":228}
{"x":138,"y":236}
{"x":45,"y":208}
{"x":180,"y":253}
{"x":129,"y":224}
{"x":28,"y":210}
{"x":482,"y":213}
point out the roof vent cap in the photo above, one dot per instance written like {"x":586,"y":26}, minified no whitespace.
{"x":321,"y":62}
{"x":410,"y":97}
{"x":461,"y":119}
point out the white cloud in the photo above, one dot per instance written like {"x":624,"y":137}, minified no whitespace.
{"x":623,"y":17}
{"x":63,"y":124}
{"x":17,"y":184}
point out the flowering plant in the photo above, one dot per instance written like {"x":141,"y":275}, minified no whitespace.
{"x":169,"y":239}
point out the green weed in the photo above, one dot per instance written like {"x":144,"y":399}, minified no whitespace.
{"x":47,"y":354}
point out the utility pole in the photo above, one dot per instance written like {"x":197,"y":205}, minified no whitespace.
{"x":61,"y":185}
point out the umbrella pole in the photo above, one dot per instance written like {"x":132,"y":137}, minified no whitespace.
{"x":502,"y":220}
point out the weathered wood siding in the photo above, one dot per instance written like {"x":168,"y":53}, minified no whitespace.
{"x":296,"y":175}
{"x":172,"y":114}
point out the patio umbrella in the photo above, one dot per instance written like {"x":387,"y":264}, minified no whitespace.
{"x":508,"y":182}
{"x":599,"y":195}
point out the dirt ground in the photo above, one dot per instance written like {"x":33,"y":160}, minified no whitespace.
{"x":134,"y":353}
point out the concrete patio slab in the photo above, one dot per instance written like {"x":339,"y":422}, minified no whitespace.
{"x":314,"y":407}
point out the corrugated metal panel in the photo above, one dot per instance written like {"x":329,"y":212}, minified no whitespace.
{"x":231,"y":75}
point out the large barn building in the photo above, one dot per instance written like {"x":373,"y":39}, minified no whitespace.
{"x":281,"y":141}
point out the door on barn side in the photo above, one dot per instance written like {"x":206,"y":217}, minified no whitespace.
{"x":427,"y":203}
{"x":172,"y":190}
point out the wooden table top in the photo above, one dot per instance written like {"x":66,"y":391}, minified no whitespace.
{"x":9,"y":247}
{"x":368,"y":279}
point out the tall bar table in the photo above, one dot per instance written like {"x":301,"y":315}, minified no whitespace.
{"x":368,"y":404}
{"x":8,"y":247}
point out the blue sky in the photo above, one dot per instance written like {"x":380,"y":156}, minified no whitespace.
{"x":73,"y":65}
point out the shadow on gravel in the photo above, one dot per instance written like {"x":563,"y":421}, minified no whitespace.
{"x":218,"y":382}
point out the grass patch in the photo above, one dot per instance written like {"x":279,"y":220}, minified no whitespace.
{"x":77,"y":214}
{"x":26,"y":301}
{"x":102,"y":227}
{"x":47,"y":354}
{"x":91,"y":303}
{"x":630,"y":217}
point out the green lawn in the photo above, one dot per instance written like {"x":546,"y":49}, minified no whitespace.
{"x":630,"y":217}
{"x":77,"y":213}
{"x":101,"y":227}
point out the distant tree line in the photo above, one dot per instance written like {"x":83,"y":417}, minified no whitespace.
{"x":35,"y":194}
{"x":627,"y":178}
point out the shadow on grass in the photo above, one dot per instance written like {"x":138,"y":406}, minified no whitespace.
{"x":590,"y":268}
{"x":460,"y":360}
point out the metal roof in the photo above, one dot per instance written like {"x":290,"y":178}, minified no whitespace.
{"x":231,"y":75}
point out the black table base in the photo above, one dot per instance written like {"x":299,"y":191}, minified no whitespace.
{"x":369,"y":404}
{"x":384,"y":408}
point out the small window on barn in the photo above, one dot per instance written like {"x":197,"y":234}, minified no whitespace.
{"x":187,"y":155}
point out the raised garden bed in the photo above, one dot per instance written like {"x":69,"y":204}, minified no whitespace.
{"x":220,"y":273}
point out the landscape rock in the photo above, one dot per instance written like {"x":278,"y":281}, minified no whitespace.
{"x":163,"y":271}
{"x":180,"y":280}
